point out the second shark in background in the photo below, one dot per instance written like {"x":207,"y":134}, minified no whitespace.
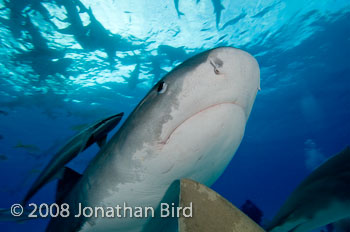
{"x":322,"y":198}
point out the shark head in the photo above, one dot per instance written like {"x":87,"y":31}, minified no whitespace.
{"x":206,"y":99}
{"x":218,"y":77}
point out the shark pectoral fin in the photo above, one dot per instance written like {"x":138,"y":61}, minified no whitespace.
{"x":200,"y":209}
{"x":211,"y":212}
{"x":101,"y":142}
{"x":66,"y":183}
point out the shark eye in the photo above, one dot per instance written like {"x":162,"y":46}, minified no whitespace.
{"x":162,"y":86}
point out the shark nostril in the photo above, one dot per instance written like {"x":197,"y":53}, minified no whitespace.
{"x":216,"y":70}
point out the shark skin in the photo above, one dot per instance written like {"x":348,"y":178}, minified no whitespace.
{"x":204,"y":210}
{"x":189,"y":125}
{"x":95,"y":133}
{"x":211,"y":212}
{"x":322,"y":198}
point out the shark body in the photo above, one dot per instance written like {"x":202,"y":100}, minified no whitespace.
{"x":322,"y":198}
{"x":189,"y":125}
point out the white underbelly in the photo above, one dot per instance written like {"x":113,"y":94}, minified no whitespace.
{"x":201,"y":147}
{"x":196,"y":150}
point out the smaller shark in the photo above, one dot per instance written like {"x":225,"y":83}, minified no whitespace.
{"x":95,"y":133}
{"x":322,"y":198}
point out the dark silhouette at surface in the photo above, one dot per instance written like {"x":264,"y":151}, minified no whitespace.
{"x":234,"y":20}
{"x":35,"y":52}
{"x":134,"y":77}
{"x":44,"y":61}
{"x":179,"y":13}
{"x":173,"y":54}
{"x":264,"y":11}
{"x":16,"y":19}
{"x":156,"y":69}
{"x":251,"y":210}
{"x":218,"y":7}
{"x":93,"y":36}
{"x":32,"y":25}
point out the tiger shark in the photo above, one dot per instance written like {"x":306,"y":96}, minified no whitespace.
{"x":189,"y":125}
{"x":322,"y":198}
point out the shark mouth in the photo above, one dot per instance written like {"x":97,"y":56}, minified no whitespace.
{"x":197,"y":113}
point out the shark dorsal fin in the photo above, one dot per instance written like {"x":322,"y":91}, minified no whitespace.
{"x":66,"y":183}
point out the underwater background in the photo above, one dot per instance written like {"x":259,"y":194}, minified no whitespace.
{"x":67,"y":63}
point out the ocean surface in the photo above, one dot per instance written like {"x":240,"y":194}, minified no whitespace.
{"x":67,"y":63}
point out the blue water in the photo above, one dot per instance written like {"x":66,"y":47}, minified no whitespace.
{"x":64,"y":64}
